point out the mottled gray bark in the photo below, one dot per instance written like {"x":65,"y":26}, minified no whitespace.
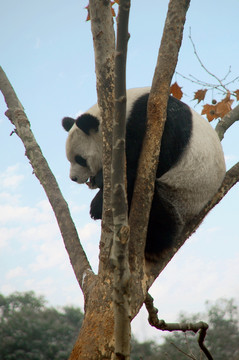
{"x":119,"y":254}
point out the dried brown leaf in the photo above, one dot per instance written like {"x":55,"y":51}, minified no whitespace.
{"x":200,"y":95}
{"x":176,"y":91}
{"x":209,"y":111}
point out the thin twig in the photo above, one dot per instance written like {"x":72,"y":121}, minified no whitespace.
{"x":201,"y":63}
{"x":222,"y":87}
{"x":190,"y":356}
{"x":209,"y":86}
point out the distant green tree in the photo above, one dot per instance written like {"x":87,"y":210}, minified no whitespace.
{"x":223,"y":334}
{"x":143,"y":351}
{"x":31,"y":331}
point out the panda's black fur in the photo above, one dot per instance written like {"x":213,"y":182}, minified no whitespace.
{"x":173,"y":203}
{"x":177,"y":131}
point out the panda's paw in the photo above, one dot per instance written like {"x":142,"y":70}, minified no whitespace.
{"x":95,"y":214}
{"x":96,"y":206}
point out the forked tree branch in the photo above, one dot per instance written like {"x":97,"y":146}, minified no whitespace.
{"x":200,"y":326}
{"x":18,"y":118}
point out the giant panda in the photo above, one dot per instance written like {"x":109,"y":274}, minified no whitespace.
{"x":190,"y":170}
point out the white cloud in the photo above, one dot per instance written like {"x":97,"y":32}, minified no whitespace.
{"x":15,"y":272}
{"x":45,"y":232}
{"x":6,"y":235}
{"x":7,"y":198}
{"x":10,"y":212}
{"x":7,"y":289}
{"x":89,"y":230}
{"x":51,"y":254}
{"x":45,"y":287}
{"x":10,"y":177}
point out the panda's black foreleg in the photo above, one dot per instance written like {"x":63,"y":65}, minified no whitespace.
{"x":99,"y":179}
{"x":97,"y":205}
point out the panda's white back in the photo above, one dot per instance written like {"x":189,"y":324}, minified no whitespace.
{"x":199,"y":172}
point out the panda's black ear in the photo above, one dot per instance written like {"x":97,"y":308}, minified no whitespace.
{"x":87,"y":122}
{"x":67,"y":123}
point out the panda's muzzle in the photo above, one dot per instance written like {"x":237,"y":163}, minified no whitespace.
{"x":91,"y":183}
{"x":96,"y":181}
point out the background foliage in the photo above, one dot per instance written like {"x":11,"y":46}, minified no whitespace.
{"x":30,"y":330}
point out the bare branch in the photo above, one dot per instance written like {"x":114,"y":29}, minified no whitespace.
{"x":231,"y":178}
{"x":157,"y":106}
{"x":227,"y":121}
{"x":202,"y":335}
{"x":220,"y":85}
{"x":104,"y":46}
{"x":119,"y":254}
{"x":162,"y":325}
{"x":17,"y":116}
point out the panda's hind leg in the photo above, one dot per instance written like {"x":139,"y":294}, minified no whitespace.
{"x":165,"y":224}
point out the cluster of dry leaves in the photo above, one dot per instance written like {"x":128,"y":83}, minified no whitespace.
{"x":212,"y":111}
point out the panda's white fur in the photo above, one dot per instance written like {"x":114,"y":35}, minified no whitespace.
{"x":90,"y":148}
{"x":196,"y":186}
{"x":181,"y":191}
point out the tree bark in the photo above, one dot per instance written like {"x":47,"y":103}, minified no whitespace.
{"x":157,"y":107}
{"x":18,"y":118}
{"x":119,"y":255}
{"x":96,"y":338}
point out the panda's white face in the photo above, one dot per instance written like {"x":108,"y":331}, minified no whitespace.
{"x":84,"y":152}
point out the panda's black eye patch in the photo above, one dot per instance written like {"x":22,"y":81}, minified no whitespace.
{"x":80,"y":160}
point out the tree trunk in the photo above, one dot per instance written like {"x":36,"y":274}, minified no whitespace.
{"x":96,"y":337}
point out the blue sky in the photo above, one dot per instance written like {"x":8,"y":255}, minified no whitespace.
{"x":47,"y":52}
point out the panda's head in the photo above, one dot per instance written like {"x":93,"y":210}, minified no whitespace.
{"x":84,"y":146}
